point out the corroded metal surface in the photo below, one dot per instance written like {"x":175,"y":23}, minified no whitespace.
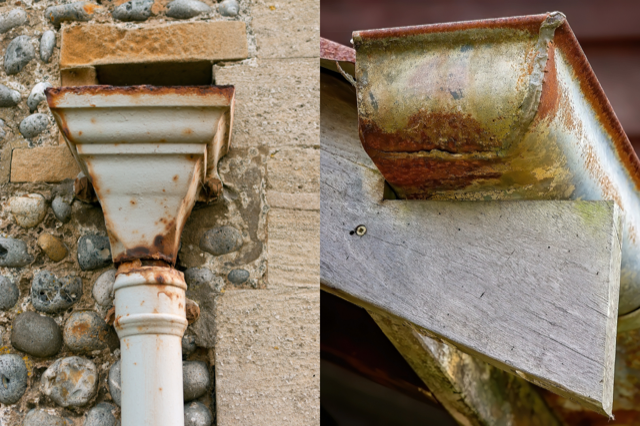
{"x":496,"y":110}
{"x":150,"y":321}
{"x":149,"y":152}
{"x":336,"y":52}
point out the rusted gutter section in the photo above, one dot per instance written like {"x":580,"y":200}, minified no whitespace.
{"x":504,"y":109}
{"x":149,"y":153}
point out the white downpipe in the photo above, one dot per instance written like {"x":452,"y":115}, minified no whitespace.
{"x":150,"y":321}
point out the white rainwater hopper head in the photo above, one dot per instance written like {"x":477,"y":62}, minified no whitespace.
{"x":149,"y":152}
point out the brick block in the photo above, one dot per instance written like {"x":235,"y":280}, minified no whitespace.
{"x":294,"y":170}
{"x":287,"y":29}
{"x":45,"y":164}
{"x":103,"y":44}
{"x":293,"y":245}
{"x":277,"y":101}
{"x":267,"y":357}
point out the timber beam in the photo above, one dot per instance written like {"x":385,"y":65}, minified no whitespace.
{"x":529,"y":286}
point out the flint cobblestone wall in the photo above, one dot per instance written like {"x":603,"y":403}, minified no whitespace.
{"x":250,"y":260}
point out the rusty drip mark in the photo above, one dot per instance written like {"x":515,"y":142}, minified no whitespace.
{"x":425,"y":131}
{"x":523,"y":23}
{"x":54,"y":94}
{"x":419,"y":175}
{"x":116,"y":323}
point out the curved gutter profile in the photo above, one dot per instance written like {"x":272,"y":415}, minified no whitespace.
{"x":504,"y":109}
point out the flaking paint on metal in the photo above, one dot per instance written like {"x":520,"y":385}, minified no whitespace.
{"x":441,"y":115}
{"x":145,"y":150}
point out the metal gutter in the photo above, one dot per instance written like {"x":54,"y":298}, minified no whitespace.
{"x":502,"y":109}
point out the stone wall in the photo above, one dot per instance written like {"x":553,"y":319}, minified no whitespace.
{"x":250,"y":260}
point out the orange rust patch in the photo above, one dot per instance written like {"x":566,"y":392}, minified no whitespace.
{"x":116,"y":323}
{"x":336,"y":52}
{"x":133,"y":202}
{"x":80,"y":328}
{"x":418,"y":176}
{"x":425,"y":131}
{"x":175,"y":178}
{"x":111,"y":316}
{"x":75,"y":375}
{"x":164,"y":247}
{"x":168,"y":294}
{"x":591,"y":89}
{"x":549,"y":99}
{"x":56,"y":93}
{"x":91,"y":8}
{"x":526,"y":23}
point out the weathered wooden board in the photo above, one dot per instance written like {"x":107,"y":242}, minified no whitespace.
{"x":531,"y":286}
{"x":473,"y":392}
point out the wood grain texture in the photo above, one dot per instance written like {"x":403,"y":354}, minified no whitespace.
{"x":531,"y":287}
{"x":473,"y":392}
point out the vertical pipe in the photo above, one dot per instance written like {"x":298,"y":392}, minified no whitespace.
{"x":150,"y":321}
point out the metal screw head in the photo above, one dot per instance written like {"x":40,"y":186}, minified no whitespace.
{"x":361,"y":230}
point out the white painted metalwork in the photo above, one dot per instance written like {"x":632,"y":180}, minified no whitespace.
{"x":145,"y":151}
{"x":150,"y":323}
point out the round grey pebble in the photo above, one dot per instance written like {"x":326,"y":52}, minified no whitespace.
{"x":70,"y":381}
{"x":94,"y":251}
{"x":37,"y":95}
{"x":229,"y":8}
{"x":185,"y":9}
{"x":51,"y":294}
{"x":197,"y":414}
{"x":42,"y":418}
{"x":13,"y":377}
{"x":195,"y":277}
{"x":238,"y":276}
{"x":86,"y":331}
{"x":28,"y":210}
{"x":221,"y":240}
{"x":19,"y":53}
{"x":8,"y":97}
{"x":114,"y":383}
{"x":3,"y":133}
{"x":102,"y":415}
{"x":13,"y":253}
{"x":103,"y":288}
{"x":47,"y":43}
{"x":196,"y":379}
{"x":134,"y":10}
{"x":9,"y":293}
{"x":188,"y":344}
{"x":68,"y":13}
{"x":61,"y":209}
{"x":36,"y":335}
{"x":13,"y":19}
{"x":33,"y":125}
